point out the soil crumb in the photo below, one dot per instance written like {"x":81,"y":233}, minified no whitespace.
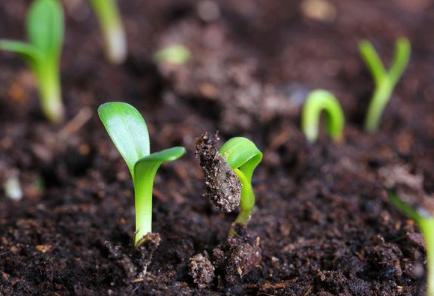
{"x":222,"y":185}
{"x":201,"y":270}
{"x":238,"y":256}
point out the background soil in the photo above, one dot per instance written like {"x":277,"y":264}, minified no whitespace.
{"x":323,"y":219}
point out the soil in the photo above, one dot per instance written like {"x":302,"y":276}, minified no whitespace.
{"x":322,"y":225}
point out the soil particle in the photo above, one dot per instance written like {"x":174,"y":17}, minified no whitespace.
{"x":201,"y":270}
{"x":384,"y":259}
{"x":222,"y":185}
{"x":238,"y":256}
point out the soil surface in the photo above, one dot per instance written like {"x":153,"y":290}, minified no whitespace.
{"x":323,"y":224}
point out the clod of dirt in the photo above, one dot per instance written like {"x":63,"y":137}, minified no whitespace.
{"x":116,"y":253}
{"x":237,"y":257}
{"x":134,"y":262}
{"x":201,"y":270}
{"x":222,"y":185}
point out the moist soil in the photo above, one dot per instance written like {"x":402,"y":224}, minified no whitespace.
{"x":322,"y":225}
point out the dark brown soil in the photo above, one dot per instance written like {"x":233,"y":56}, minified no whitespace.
{"x":323,"y":224}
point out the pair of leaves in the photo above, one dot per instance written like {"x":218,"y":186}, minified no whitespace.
{"x":45,"y":32}
{"x":376,"y":66}
{"x":129,"y":132}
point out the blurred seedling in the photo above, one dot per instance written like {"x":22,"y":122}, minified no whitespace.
{"x":42,"y":52}
{"x":176,"y":54}
{"x":109,"y":18}
{"x":385,"y":80}
{"x":319,"y":101}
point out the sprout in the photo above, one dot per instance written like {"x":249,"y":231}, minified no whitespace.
{"x":42,"y":53}
{"x":175,"y":54}
{"x":316,"y":102}
{"x":112,"y":29}
{"x":425,"y":221}
{"x":385,"y":81}
{"x":228,"y":174}
{"x":129,"y":133}
{"x":243,"y":157}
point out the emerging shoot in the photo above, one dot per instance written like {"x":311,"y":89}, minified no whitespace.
{"x":42,"y":53}
{"x":175,"y":54}
{"x":129,"y":133}
{"x":316,"y":102}
{"x":110,"y":22}
{"x":228,"y":174}
{"x":385,"y":80}
{"x":425,"y":220}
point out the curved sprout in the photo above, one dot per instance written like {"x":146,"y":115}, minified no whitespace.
{"x":425,"y":222}
{"x":318,"y":101}
{"x":385,"y":81}
{"x":129,"y":133}
{"x":243,"y":157}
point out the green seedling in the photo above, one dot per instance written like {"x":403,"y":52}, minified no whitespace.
{"x":42,"y":53}
{"x":316,"y":102}
{"x":175,"y":54}
{"x":129,"y":133}
{"x":385,"y":80}
{"x":425,"y":222}
{"x":113,"y":31}
{"x":243,"y":157}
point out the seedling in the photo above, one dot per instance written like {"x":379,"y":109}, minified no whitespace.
{"x":243,"y":157}
{"x":129,"y":133}
{"x":316,"y":102}
{"x":175,"y":54}
{"x":385,"y":81}
{"x":110,"y":22}
{"x":425,"y":221}
{"x":42,"y":53}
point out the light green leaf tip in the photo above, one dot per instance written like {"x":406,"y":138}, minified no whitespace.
{"x":128,"y":131}
{"x":175,"y":54}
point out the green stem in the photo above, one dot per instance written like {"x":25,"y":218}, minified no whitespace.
{"x":143,"y":185}
{"x":112,"y":29}
{"x":426,"y":226}
{"x":381,"y":97}
{"x":247,"y":202}
{"x":50,"y":92}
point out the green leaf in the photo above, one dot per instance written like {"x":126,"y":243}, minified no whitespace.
{"x":45,"y":27}
{"x":241,"y":153}
{"x":128,"y":131}
{"x":144,"y":175}
{"x":400,"y":59}
{"x":316,"y":102}
{"x":26,"y":51}
{"x":372,"y":60}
